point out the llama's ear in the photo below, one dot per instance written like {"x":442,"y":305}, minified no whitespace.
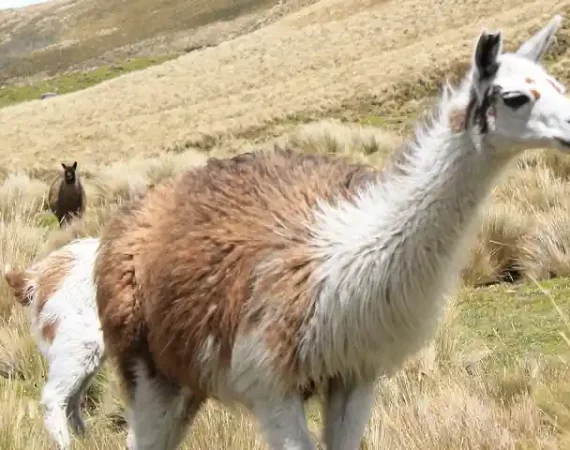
{"x":487,"y":52}
{"x":535,"y":47}
{"x":64,"y":166}
{"x":74,"y":165}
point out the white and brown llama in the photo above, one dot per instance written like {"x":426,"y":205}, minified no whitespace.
{"x":271,"y":276}
{"x":59,"y":292}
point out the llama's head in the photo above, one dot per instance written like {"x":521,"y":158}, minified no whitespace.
{"x":69,"y":172}
{"x":515,"y":103}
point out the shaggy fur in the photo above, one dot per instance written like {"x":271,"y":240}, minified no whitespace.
{"x":266,"y":277}
{"x":189,"y":219}
{"x":66,"y":197}
{"x":60,"y":295}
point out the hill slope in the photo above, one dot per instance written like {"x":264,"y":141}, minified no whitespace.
{"x":73,"y":34}
{"x":335,"y":55}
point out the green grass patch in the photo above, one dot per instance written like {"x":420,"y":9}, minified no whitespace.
{"x":74,"y":81}
{"x":47,"y":220}
{"x":518,"y":321}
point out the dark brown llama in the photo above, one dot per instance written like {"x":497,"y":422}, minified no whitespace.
{"x":66,"y":196}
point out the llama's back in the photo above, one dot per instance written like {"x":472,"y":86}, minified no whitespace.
{"x":195,"y":256}
{"x":78,"y":285}
{"x":60,"y":292}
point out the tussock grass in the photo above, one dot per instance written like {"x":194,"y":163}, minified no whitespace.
{"x":495,"y":376}
{"x":364,"y":144}
{"x":23,"y":193}
{"x":453,"y":396}
{"x":523,"y":233}
{"x":546,"y":249}
{"x":129,"y":179}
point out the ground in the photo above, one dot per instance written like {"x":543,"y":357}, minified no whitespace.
{"x":140,"y":104}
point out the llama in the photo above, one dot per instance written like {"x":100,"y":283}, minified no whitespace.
{"x":262,"y":279}
{"x":60,"y":294}
{"x":66,"y":195}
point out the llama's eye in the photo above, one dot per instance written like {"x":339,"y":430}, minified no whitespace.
{"x":515,"y":100}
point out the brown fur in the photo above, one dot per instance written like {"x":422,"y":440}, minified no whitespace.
{"x":195,"y":255}
{"x":535,"y":94}
{"x":457,"y":120}
{"x":18,"y":281}
{"x":50,"y":273}
{"x":46,"y":275}
{"x":66,"y":200}
{"x":49,"y":330}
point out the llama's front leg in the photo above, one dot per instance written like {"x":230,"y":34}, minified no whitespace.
{"x":159,"y":412}
{"x":347,"y":410}
{"x":283,"y":423}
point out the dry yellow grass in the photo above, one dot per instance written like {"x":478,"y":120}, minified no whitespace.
{"x":461,"y":393}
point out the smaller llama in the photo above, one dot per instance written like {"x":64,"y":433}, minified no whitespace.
{"x":60,"y":295}
{"x":67,"y":196}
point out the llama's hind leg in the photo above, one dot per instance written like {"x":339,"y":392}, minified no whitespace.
{"x":347,"y":410}
{"x":54,"y":399}
{"x":159,"y":412}
{"x":55,"y":420}
{"x":283,"y":423}
{"x":70,"y":364}
{"x":74,"y":415}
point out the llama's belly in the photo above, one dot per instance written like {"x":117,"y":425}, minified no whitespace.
{"x":364,"y":349}
{"x":256,"y":371}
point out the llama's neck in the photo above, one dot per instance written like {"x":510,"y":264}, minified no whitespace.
{"x":388,"y":257}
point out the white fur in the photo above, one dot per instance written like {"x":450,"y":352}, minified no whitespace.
{"x":283,"y":423}
{"x":159,"y":413}
{"x":77,"y":351}
{"x":390,"y":257}
{"x":393,"y":254}
{"x":346,"y":413}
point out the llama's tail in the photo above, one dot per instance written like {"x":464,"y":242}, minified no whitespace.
{"x":19,"y":281}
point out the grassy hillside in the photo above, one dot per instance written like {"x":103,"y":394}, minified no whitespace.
{"x":61,"y":35}
{"x":72,"y":81}
{"x":496,"y":375}
{"x":336,"y":58}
